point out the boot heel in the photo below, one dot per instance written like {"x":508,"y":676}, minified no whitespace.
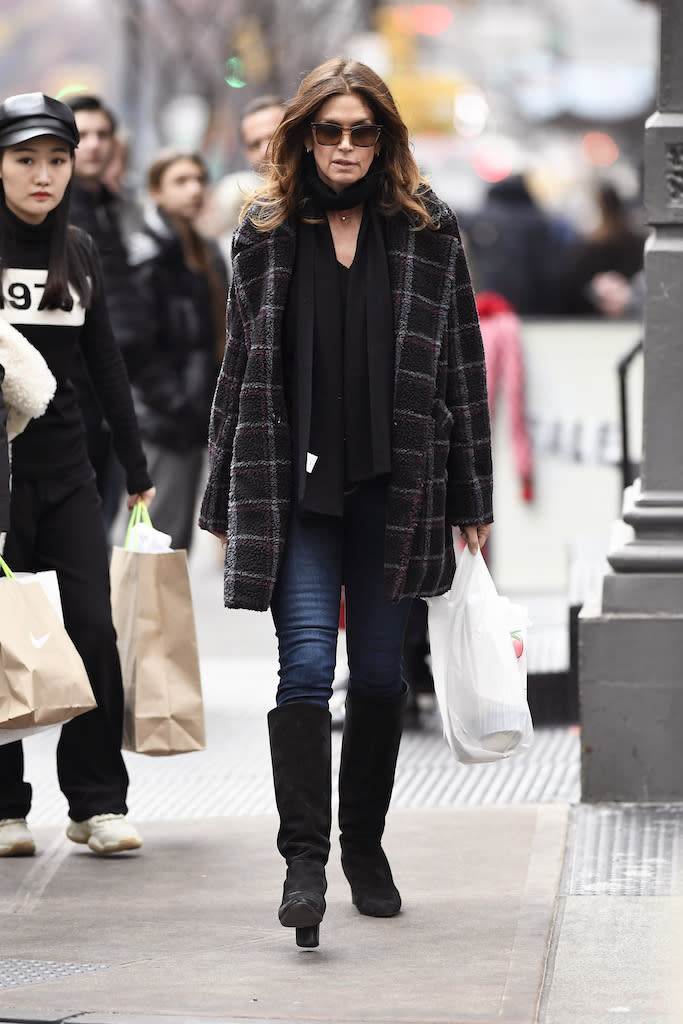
{"x":309,"y":937}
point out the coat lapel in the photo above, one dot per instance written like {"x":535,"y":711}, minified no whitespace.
{"x":266,"y":261}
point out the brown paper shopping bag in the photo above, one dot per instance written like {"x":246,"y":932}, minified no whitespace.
{"x":154,"y":621}
{"x":42,"y":678}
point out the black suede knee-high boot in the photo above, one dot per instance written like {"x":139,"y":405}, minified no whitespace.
{"x":372,"y":734}
{"x":300,"y":740}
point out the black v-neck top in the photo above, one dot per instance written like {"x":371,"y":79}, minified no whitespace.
{"x":344,"y":275}
{"x":339,"y":365}
{"x":54,"y":444}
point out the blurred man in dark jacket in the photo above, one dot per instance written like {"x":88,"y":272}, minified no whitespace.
{"x":95,"y":209}
{"x":517,"y":250}
{"x":221,"y":212}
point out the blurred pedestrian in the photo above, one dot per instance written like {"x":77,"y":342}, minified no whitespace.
{"x":603,"y":269}
{"x":117,"y":180}
{"x":349,"y":433}
{"x":97,"y":210}
{"x":501,"y":333}
{"x":221,"y":213}
{"x":116,"y":170}
{"x":51,"y":279}
{"x":260,"y":118}
{"x":182,"y":285}
{"x":517,"y":250}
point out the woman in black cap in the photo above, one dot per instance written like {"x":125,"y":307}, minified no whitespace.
{"x":51,"y":293}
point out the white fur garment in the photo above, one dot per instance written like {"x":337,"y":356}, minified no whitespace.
{"x":29,"y":385}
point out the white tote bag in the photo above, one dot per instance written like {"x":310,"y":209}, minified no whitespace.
{"x":478,"y":648}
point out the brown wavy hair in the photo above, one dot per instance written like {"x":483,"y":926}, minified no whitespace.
{"x":279,"y":197}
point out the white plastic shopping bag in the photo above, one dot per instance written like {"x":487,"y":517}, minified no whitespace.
{"x":478,"y":648}
{"x":49,"y":583}
{"x":142,"y":536}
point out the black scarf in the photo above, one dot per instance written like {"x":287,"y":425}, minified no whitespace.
{"x":324,"y":198}
{"x":341,"y":360}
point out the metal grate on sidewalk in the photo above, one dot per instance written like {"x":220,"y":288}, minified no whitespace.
{"x":17,"y":973}
{"x":233,"y":775}
{"x":624,"y":850}
{"x":428,"y":775}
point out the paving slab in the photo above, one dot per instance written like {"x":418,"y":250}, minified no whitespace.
{"x":188,"y":927}
{"x":616,"y":960}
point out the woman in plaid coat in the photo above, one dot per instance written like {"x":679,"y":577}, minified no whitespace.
{"x":349,"y":435}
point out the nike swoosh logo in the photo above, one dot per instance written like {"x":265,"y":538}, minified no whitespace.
{"x":40,"y":641}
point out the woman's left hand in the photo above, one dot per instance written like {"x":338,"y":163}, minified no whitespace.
{"x":475,"y":536}
{"x":145,"y":496}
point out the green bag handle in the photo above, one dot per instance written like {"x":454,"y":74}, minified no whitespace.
{"x":6,"y":569}
{"x":138,"y":514}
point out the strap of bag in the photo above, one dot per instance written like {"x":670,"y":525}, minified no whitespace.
{"x":139,"y":514}
{"x":6,"y":569}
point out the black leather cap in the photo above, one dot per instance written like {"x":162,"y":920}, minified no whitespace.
{"x":31,"y":114}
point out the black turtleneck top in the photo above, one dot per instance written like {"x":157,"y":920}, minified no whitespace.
{"x":54,"y":445}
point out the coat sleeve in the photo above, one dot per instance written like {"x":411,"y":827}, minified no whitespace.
{"x":4,"y":462}
{"x":224,"y":414}
{"x":110,"y":381}
{"x":469,"y":498}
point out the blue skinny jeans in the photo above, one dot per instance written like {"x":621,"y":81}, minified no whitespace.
{"x":323,"y":553}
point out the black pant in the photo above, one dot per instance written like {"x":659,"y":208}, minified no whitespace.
{"x":56,"y":524}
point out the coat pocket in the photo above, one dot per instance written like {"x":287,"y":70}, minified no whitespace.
{"x":443,"y":421}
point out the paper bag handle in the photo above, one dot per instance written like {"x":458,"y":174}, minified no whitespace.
{"x":6,"y":569}
{"x":138,"y":514}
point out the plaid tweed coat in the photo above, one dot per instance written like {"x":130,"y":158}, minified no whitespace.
{"x":441,"y":452}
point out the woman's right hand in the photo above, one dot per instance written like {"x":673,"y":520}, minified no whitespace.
{"x":223,"y":538}
{"x":475,"y":536}
{"x":145,"y":496}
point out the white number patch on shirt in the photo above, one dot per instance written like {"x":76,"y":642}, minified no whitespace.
{"x":22,"y":291}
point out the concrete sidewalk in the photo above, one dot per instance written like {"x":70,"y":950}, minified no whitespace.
{"x":189,"y":927}
{"x":494,"y":927}
{"x":520,"y":905}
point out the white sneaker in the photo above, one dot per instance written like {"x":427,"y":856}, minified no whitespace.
{"x":105,"y":833}
{"x":15,"y":838}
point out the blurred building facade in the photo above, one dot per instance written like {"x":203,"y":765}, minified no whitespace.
{"x":487,"y":87}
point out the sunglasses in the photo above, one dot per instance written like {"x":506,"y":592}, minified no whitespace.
{"x":364,"y":135}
